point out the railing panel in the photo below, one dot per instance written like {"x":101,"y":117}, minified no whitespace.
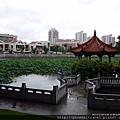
{"x":109,"y":80}
{"x":59,"y":75}
{"x":62,"y":91}
{"x":38,"y":95}
{"x":105,"y":101}
{"x":68,"y":77}
{"x":88,"y":84}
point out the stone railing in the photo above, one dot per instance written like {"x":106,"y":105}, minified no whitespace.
{"x":102,"y":100}
{"x":65,"y":75}
{"x":37,"y":95}
{"x":90,"y":82}
{"x":102,"y":81}
{"x":110,"y":80}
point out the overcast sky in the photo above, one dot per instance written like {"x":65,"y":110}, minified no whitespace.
{"x":31,"y":20}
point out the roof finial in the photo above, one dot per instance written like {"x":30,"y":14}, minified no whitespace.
{"x":94,"y":32}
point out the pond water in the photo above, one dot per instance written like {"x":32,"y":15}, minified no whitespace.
{"x":45,"y":82}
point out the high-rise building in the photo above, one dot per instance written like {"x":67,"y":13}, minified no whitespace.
{"x":81,"y":36}
{"x":84,"y":37}
{"x":53,"y":36}
{"x":88,"y":38}
{"x":108,"y":39}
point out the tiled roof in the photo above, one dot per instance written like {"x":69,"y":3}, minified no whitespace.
{"x":13,"y":41}
{"x":1,"y":41}
{"x":77,"y":40}
{"x":64,"y":41}
{"x":70,"y":45}
{"x":94,"y":45}
{"x":34,"y":42}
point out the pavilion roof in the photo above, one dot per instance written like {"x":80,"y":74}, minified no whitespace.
{"x":94,"y":45}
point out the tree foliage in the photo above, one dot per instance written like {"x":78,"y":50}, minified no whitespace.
{"x":91,"y":68}
{"x":118,"y":45}
{"x":57,"y":48}
{"x":45,"y":49}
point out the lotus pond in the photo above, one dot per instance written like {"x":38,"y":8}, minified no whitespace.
{"x":10,"y":69}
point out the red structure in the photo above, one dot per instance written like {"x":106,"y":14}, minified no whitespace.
{"x":94,"y":46}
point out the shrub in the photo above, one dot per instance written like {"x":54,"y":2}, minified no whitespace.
{"x":91,"y":68}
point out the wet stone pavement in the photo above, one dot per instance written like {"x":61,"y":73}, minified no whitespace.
{"x":75,"y":103}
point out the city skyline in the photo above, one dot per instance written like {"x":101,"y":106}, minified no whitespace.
{"x":30,"y":20}
{"x":53,"y":36}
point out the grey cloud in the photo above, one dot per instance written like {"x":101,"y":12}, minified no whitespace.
{"x":24,"y":23}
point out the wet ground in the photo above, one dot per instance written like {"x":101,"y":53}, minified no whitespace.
{"x":75,"y":103}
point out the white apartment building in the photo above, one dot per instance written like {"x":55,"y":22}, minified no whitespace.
{"x":108,"y":39}
{"x":84,"y":37}
{"x":4,"y":46}
{"x":88,"y":38}
{"x":81,"y":36}
{"x":10,"y":42}
{"x":53,"y":36}
{"x":7,"y":37}
{"x":69,"y":42}
{"x":17,"y":45}
{"x":38,"y":45}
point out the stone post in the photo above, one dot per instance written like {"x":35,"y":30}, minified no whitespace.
{"x":66,"y":89}
{"x":78,"y":78}
{"x":61,"y":82}
{"x":55,"y":95}
{"x":23,"y":92}
{"x":89,"y":102}
{"x":85,"y":84}
{"x":98,"y":80}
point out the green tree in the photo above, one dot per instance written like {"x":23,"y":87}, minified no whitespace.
{"x":61,"y":49}
{"x":33,"y":50}
{"x":91,"y":68}
{"x":55,"y":48}
{"x":65,"y":45}
{"x":118,"y":45}
{"x":45,"y":49}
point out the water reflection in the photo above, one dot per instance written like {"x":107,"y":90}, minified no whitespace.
{"x":36,"y":81}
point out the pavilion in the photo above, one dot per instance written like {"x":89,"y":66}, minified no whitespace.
{"x":94,"y":46}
